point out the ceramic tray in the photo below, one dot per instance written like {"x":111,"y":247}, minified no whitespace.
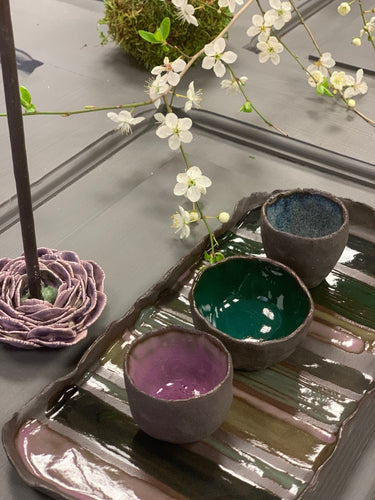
{"x":294,"y":430}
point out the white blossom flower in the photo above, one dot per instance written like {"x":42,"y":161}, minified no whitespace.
{"x":223,"y":217}
{"x":181,"y":221}
{"x":215,"y":55}
{"x":315,"y":77}
{"x":282,"y":12}
{"x":231,"y":4}
{"x":193,"y":98}
{"x":170,"y":70}
{"x":344,"y":8}
{"x":160,"y":118}
{"x":124,"y":120}
{"x":233,"y":85}
{"x":177,"y":129}
{"x":338,"y":80}
{"x":270,"y":50}
{"x":351,"y":103}
{"x":186,"y":11}
{"x":357,"y":41}
{"x":369,"y":27}
{"x":157,"y":87}
{"x":261,"y":25}
{"x":191,"y":184}
{"x":357,"y":86}
{"x":323,"y":64}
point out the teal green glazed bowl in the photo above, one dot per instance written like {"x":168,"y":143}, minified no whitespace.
{"x":259,"y":308}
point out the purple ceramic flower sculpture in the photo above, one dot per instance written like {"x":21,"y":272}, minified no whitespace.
{"x":76,"y":300}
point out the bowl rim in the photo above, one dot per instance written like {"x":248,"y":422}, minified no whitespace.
{"x":254,"y":343}
{"x":180,"y":329}
{"x":285,"y":194}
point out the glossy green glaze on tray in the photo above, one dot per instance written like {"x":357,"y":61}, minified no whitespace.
{"x":283,"y":425}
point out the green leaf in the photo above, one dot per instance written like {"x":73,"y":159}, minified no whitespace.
{"x":321,"y":89}
{"x":219,"y":256}
{"x":25,"y":97}
{"x":31,"y":109}
{"x":149,"y":37}
{"x":25,"y":94}
{"x":158,"y":36}
{"x":206,"y":256}
{"x":165,"y":26}
{"x":246,"y":108}
{"x":328,"y":92}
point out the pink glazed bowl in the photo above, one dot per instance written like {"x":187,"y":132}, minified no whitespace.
{"x":179,"y":383}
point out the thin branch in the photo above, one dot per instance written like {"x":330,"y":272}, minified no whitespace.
{"x":302,"y":21}
{"x":369,"y":37}
{"x":90,"y":109}
{"x":240,"y":86}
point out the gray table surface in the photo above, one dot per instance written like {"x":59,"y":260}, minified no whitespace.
{"x":117,"y":211}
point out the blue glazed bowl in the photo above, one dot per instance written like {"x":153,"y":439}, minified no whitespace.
{"x":305,"y":229}
{"x":258,"y":308}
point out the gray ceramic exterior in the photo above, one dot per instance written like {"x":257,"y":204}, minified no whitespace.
{"x":184,"y":420}
{"x":311,"y":258}
{"x":255,"y":355}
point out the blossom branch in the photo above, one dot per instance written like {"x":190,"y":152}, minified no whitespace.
{"x":369,"y":37}
{"x":213,"y":241}
{"x":88,"y":109}
{"x":302,"y":21}
{"x":223,"y":31}
{"x":340,"y":92}
{"x":240,"y":87}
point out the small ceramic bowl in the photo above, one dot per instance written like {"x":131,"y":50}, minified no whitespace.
{"x":305,"y":229}
{"x":258,"y":308}
{"x":179,"y":383}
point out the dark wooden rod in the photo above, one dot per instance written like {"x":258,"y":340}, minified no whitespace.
{"x":17,"y":141}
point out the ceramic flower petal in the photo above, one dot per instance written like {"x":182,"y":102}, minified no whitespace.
{"x":31,"y":323}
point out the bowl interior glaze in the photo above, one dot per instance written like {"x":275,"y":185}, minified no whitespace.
{"x":177,"y":365}
{"x":305,"y":214}
{"x":251,"y":299}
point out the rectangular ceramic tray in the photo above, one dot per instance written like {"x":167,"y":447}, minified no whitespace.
{"x":289,"y":433}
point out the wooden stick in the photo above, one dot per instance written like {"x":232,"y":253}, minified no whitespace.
{"x":17,"y":140}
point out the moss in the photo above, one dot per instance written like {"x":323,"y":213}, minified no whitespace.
{"x":125,"y":17}
{"x":49,"y":294}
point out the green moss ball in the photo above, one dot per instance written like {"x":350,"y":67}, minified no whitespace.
{"x":125,"y":17}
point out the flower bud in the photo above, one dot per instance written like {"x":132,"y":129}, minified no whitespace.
{"x":357,"y":42}
{"x":344,"y":8}
{"x":350,"y":103}
{"x":223,"y":217}
{"x":194,"y":216}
